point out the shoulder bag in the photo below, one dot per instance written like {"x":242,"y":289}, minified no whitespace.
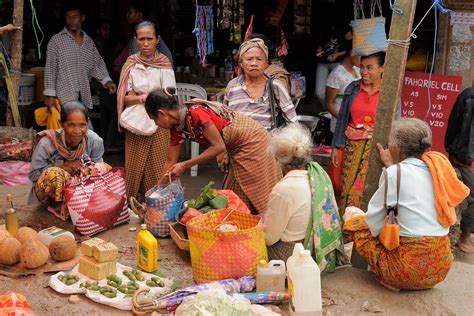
{"x":390,"y":234}
{"x":277,"y":116}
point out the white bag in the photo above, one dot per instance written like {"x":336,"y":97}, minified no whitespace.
{"x":135,"y":119}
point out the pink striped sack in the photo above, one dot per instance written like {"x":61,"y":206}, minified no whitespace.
{"x":97,"y":202}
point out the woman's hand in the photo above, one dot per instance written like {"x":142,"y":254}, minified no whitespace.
{"x":176,"y":170}
{"x":335,"y":157}
{"x":72,"y":167}
{"x":385,"y":156}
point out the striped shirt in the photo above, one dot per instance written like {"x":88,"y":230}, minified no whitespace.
{"x":69,"y":68}
{"x":238,"y":98}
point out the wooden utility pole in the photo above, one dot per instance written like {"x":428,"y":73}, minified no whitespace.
{"x":16,"y":52}
{"x":390,"y":92}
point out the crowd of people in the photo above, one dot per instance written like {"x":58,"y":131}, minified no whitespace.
{"x":270,"y":169}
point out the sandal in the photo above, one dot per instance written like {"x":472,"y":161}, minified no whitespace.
{"x":137,"y":208}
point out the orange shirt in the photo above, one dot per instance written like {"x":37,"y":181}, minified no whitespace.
{"x":364,"y":107}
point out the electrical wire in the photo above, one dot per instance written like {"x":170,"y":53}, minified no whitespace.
{"x":36,"y":28}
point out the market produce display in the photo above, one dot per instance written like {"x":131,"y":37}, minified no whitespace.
{"x":32,"y":253}
{"x":115,"y":290}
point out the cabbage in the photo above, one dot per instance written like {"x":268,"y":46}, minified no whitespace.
{"x":214,"y":302}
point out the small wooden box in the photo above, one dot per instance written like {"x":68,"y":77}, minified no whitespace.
{"x":178,"y":234}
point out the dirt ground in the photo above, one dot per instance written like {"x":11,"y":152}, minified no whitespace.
{"x":348,"y":291}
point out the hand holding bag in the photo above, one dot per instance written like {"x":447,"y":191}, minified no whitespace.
{"x":390,"y":234}
{"x":277,"y":117}
{"x":96,"y":202}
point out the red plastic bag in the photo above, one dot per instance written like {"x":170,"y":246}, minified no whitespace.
{"x":189,"y":214}
{"x":335,"y":173}
{"x":234,"y":202}
{"x":14,"y":304}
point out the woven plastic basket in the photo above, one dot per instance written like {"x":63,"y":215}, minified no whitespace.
{"x":218,"y":255}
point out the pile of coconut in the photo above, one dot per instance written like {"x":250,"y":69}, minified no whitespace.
{"x":26,"y":247}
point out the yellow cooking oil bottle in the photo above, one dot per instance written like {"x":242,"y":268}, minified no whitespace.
{"x":11,"y":216}
{"x":147,"y":250}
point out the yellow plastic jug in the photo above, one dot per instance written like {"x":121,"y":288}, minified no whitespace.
{"x":147,"y":250}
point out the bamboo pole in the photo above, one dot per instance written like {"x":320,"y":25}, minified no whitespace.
{"x":16,"y":52}
{"x":390,"y":91}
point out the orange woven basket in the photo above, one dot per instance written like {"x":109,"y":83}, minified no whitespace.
{"x":218,"y":255}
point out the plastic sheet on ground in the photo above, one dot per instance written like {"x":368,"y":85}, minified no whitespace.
{"x":121,"y":301}
{"x":214,"y":302}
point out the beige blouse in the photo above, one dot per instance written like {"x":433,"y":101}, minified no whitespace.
{"x":289,"y":208}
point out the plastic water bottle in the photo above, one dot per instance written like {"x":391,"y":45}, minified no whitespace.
{"x":271,"y":276}
{"x":304,"y":284}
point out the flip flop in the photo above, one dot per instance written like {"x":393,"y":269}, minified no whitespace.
{"x":137,"y":208}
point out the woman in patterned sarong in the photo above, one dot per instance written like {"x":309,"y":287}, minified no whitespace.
{"x":145,"y":154}
{"x":354,"y":128}
{"x":57,"y":155}
{"x":252,"y":171}
{"x":429,"y":191}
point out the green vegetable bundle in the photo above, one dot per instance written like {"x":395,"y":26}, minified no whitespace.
{"x":208,"y":200}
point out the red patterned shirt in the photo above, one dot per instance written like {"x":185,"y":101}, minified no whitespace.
{"x":197,"y":118}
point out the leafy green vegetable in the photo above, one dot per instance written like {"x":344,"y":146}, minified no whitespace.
{"x":207,"y":194}
{"x":206,"y":209}
{"x":219,"y":202}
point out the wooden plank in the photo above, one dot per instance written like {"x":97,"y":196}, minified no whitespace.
{"x":17,"y":47}
{"x":390,"y":91}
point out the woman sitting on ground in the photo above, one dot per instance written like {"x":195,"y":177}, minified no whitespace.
{"x":252,"y":171}
{"x":56,"y":158}
{"x":304,"y":197}
{"x":429,"y":191}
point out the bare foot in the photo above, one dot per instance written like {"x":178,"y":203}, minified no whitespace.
{"x":467,"y":247}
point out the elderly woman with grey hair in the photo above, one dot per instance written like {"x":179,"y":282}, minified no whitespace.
{"x":248,"y":93}
{"x":302,"y":207}
{"x":428,"y":190}
{"x":57,"y":155}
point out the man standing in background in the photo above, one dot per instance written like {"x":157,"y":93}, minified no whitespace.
{"x":72,"y":60}
{"x":459,"y":143}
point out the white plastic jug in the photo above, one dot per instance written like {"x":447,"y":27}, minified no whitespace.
{"x":290,"y":262}
{"x":271,"y":276}
{"x":304,"y":284}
